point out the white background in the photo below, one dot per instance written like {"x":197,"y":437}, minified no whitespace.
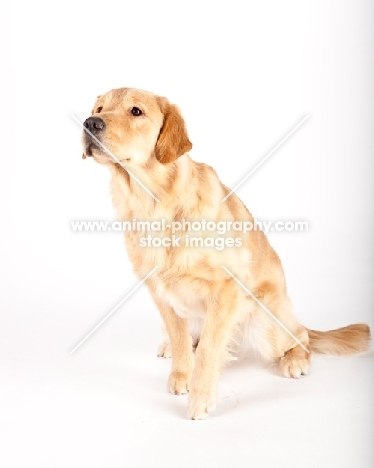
{"x":243,"y":74}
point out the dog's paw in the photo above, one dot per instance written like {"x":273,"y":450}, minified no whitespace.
{"x":178,"y":383}
{"x":293,"y":367}
{"x":200,"y":404}
{"x":164,"y":350}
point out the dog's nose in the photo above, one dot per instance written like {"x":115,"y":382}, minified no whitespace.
{"x":94,"y":124}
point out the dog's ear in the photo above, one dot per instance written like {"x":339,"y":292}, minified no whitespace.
{"x":173,"y":140}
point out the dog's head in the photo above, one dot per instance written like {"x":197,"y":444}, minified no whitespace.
{"x":133,"y":126}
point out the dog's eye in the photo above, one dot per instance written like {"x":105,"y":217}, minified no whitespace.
{"x":136,"y":111}
{"x":99,"y":109}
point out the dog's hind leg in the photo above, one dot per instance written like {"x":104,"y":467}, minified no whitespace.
{"x":277,"y":336}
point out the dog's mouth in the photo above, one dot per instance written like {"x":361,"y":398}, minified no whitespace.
{"x":93,"y":148}
{"x":90,"y":146}
{"x":100,"y":154}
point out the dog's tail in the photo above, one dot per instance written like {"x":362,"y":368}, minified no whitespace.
{"x":342,"y":341}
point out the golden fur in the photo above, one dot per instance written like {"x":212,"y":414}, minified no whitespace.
{"x":201,"y":305}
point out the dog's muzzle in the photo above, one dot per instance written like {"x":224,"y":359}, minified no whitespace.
{"x":94,"y":126}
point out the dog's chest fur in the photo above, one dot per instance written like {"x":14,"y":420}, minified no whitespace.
{"x":186,"y":276}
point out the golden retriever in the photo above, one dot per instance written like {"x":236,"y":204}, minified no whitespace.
{"x":213,"y":300}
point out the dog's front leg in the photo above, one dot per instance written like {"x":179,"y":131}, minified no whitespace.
{"x":210,"y":353}
{"x":182,"y":358}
